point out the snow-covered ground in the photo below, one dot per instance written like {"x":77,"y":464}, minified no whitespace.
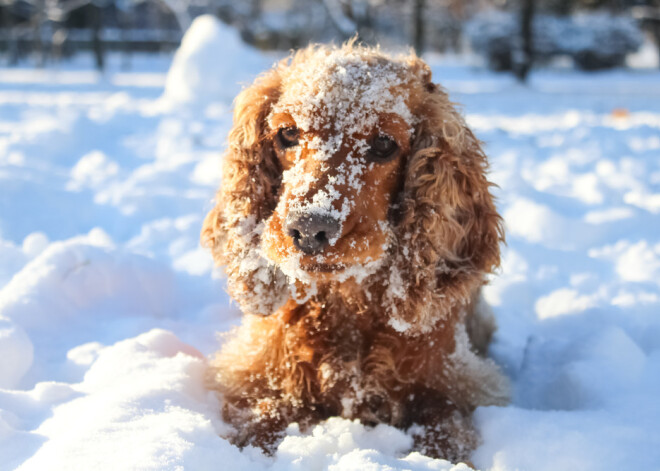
{"x":108,"y":306}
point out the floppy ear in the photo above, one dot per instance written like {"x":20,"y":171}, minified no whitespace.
{"x":449,"y":231}
{"x":250,"y":180}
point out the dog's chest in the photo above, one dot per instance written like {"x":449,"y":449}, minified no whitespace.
{"x":353,"y":363}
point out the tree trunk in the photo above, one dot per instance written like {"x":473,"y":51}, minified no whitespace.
{"x":339,"y":19}
{"x":418,"y":26}
{"x":656,"y":34}
{"x":38,"y":20}
{"x":96,"y":21}
{"x":523,"y":63}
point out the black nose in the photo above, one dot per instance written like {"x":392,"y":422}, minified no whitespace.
{"x":311,"y":232}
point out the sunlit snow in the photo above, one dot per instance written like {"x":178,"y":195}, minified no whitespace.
{"x":109,"y":308}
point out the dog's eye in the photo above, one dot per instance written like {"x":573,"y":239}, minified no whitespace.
{"x":288,"y":136}
{"x":382,"y":148}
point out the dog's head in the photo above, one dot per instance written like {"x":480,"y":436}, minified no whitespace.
{"x":345,"y":163}
{"x":340,"y":130}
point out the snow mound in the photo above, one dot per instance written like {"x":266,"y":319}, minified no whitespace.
{"x":16,"y":354}
{"x":68,"y":294}
{"x":210,"y":64}
{"x":340,"y":444}
{"x":101,"y":428}
{"x":79,"y":276}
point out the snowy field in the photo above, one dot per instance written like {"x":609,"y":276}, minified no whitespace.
{"x":108,"y":307}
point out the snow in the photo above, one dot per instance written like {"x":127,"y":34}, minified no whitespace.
{"x":204,"y":67}
{"x":109,"y":308}
{"x":16,"y":354}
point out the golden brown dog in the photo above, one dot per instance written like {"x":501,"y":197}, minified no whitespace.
{"x":356,"y":226}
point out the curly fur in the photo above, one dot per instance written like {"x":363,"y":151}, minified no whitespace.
{"x":401,"y":345}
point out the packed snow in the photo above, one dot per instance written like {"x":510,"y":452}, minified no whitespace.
{"x":109,"y":307}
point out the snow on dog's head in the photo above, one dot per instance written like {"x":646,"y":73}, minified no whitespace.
{"x":349,"y":165}
{"x":340,"y":131}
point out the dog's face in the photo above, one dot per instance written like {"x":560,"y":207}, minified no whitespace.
{"x":346,"y":163}
{"x":341,"y":136}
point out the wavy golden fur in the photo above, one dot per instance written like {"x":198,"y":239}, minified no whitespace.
{"x":399,"y":342}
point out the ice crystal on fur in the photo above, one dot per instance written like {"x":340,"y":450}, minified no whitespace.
{"x":352,"y":89}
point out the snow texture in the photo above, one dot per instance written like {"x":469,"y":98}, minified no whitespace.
{"x":109,"y":308}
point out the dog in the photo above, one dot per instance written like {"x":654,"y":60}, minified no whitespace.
{"x":356,"y":227}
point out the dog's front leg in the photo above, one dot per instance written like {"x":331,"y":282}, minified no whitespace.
{"x":440,"y":428}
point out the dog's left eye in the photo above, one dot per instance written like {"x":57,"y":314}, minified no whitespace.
{"x":288,"y":136}
{"x":382,"y":148}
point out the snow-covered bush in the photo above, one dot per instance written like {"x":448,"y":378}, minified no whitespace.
{"x":602,"y":40}
{"x":592,"y":40}
{"x":492,"y":36}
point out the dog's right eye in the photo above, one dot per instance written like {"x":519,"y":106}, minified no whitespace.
{"x":288,"y":137}
{"x":383,"y":148}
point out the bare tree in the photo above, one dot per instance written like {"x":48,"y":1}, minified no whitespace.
{"x":340,"y":18}
{"x":418,"y":26}
{"x":352,"y":17}
{"x":95,"y":13}
{"x":525,"y":53}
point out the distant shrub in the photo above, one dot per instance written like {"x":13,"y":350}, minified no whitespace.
{"x":593,"y":40}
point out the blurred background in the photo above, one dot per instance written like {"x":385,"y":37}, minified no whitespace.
{"x":505,"y":35}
